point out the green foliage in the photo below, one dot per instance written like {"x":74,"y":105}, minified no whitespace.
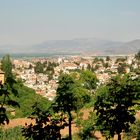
{"x":122,"y":68}
{"x":106,"y":65}
{"x":96,"y":67}
{"x":121,"y":59}
{"x":134,"y":131}
{"x":108,"y":58}
{"x":87,"y":127}
{"x":89,"y":67}
{"x":71,"y":96}
{"x":137,"y":56}
{"x":47,"y":125}
{"x":39,"y":68}
{"x":74,"y":137}
{"x":11,"y":134}
{"x":6,"y":91}
{"x":137,"y":71}
{"x":89,"y":80}
{"x":96,"y":59}
{"x":50,"y":69}
{"x":70,"y":93}
{"x":7,"y":66}
{"x":26,"y":99}
{"x":51,"y":66}
{"x":114,"y":102}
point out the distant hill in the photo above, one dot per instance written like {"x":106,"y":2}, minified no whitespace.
{"x":131,"y":47}
{"x":83,"y":46}
{"x":80,"y":46}
{"x":89,"y":46}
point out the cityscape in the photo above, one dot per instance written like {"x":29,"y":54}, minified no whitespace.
{"x":69,"y":70}
{"x":43,"y":84}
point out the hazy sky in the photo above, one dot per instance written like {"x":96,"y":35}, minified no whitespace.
{"x":34,"y":21}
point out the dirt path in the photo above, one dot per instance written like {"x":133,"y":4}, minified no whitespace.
{"x":64,"y":132}
{"x":22,"y":121}
{"x":19,"y":122}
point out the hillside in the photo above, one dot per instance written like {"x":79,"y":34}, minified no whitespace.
{"x":81,"y":46}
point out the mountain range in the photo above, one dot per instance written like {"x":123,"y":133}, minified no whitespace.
{"x":91,"y":46}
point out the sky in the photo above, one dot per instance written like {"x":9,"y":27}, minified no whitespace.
{"x":29,"y":22}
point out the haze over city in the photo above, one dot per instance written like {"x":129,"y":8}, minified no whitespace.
{"x":70,"y":69}
{"x":30,"y":22}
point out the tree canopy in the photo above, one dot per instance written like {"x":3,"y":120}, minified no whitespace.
{"x":39,"y":68}
{"x":89,"y":79}
{"x":114,"y":102}
{"x":137,"y":56}
{"x":7,"y":66}
{"x":70,"y":96}
{"x":47,"y":125}
{"x":6,"y":90}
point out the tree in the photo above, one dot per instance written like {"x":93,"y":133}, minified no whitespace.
{"x":89,"y":80}
{"x":47,"y":125}
{"x":134,"y":131}
{"x":87,"y":127}
{"x":120,"y":60}
{"x":6,"y":90}
{"x":39,"y":68}
{"x":114,"y":102}
{"x":137,"y":56}
{"x":96,"y":59}
{"x":106,"y":65}
{"x":122,"y":68}
{"x":89,"y":67}
{"x":70,"y":96}
{"x":7,"y":66}
{"x":96,"y":67}
{"x":108,"y":58}
{"x":30,"y":66}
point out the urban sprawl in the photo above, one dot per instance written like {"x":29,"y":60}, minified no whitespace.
{"x":41,"y":74}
